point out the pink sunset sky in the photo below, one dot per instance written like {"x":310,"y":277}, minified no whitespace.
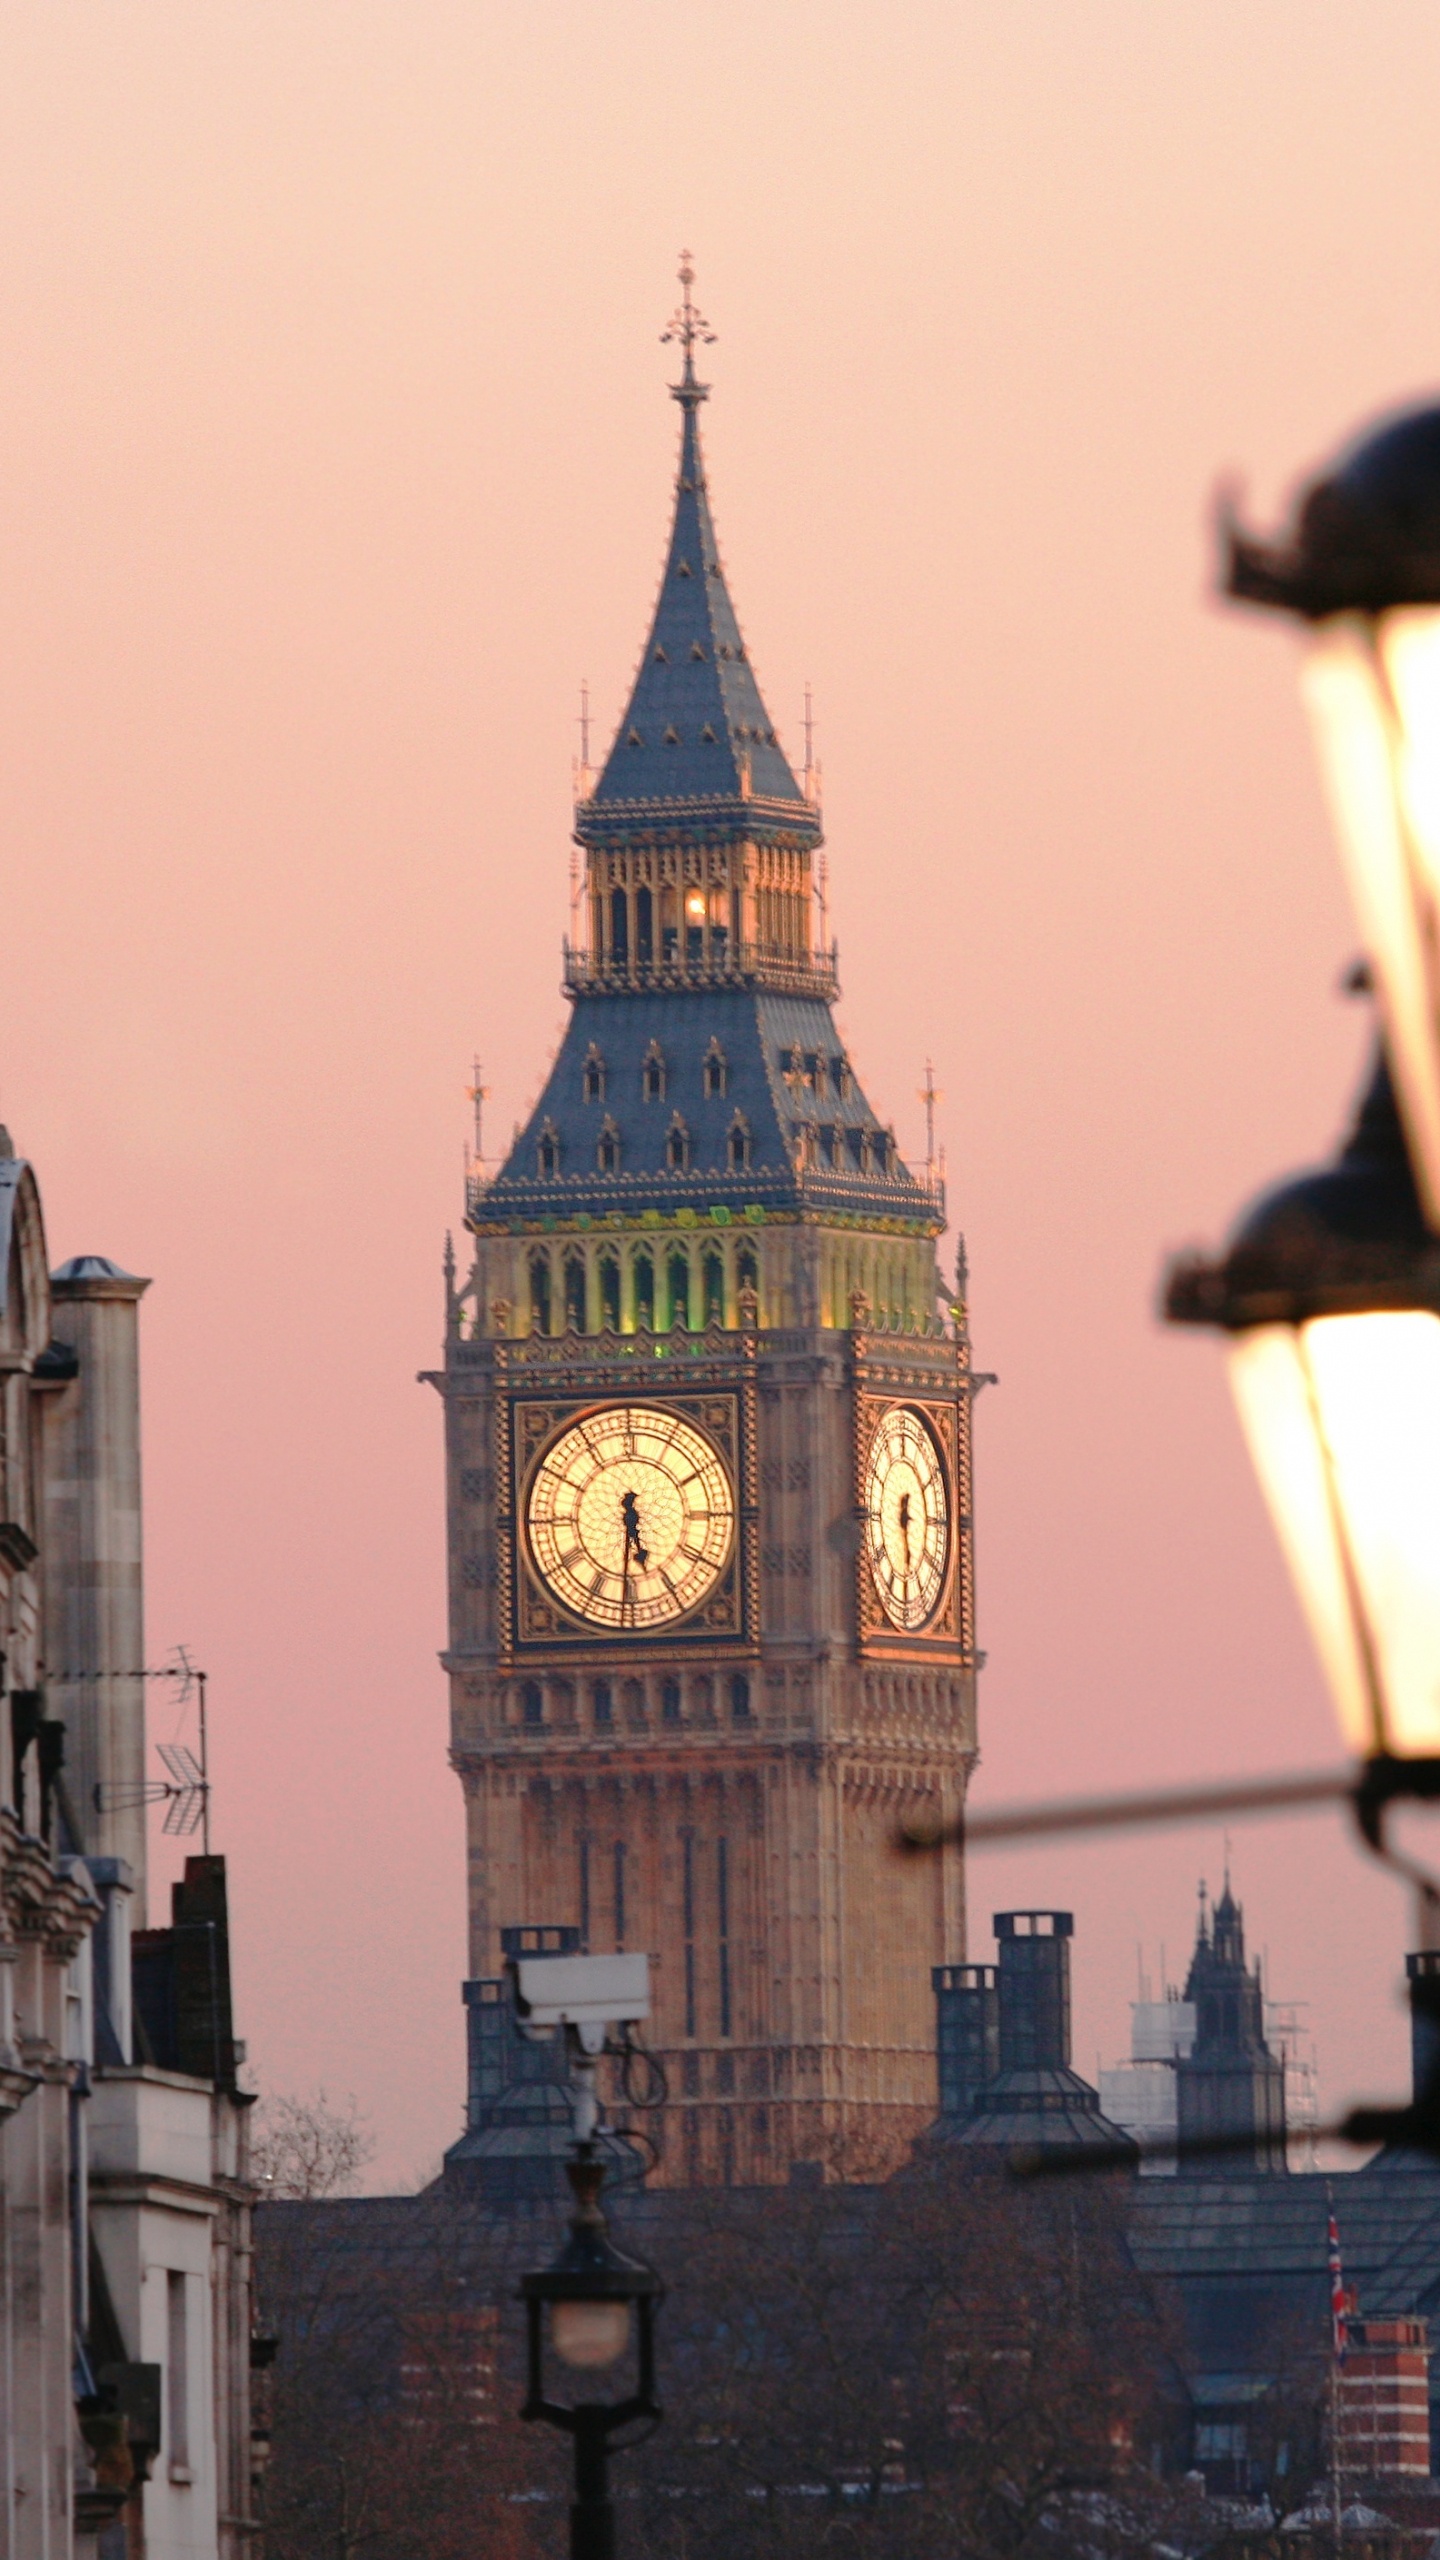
{"x":334,"y":451}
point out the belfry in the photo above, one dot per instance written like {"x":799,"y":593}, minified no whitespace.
{"x":708,"y":1429}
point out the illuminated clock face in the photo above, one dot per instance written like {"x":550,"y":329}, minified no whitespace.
{"x":907,"y":1518}
{"x":631,"y":1517}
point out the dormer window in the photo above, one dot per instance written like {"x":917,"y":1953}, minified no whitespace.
{"x":607,"y":1149}
{"x":684,"y":570}
{"x":547,"y":1152}
{"x":672,"y":738}
{"x":713,"y":1073}
{"x":652,"y":1073}
{"x":634,"y":739}
{"x":677,"y":1145}
{"x":738,"y":1143}
{"x":830,"y":1144}
{"x":708,"y":737}
{"x":592,"y":1075}
{"x":844,"y":1081}
{"x":662,"y":656}
{"x":697,"y":649}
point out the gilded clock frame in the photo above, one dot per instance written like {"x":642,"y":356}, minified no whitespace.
{"x":949,"y":1631}
{"x":540,"y":1624}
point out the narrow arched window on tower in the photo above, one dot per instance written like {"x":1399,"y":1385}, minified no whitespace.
{"x":738,"y":1143}
{"x":547,"y":1152}
{"x":593,"y":1075}
{"x":739,"y":1698}
{"x":609,"y":1293}
{"x":540,"y":1293}
{"x":677,"y":1145}
{"x":645,"y":1291}
{"x":574,"y":1293}
{"x":532,"y":1703}
{"x":644,"y":932}
{"x":679,"y":1278}
{"x":607,"y":1146}
{"x":670,"y":1702}
{"x":619,"y":926}
{"x":652,"y":1073}
{"x":714,"y":1072}
{"x":714,"y":1276}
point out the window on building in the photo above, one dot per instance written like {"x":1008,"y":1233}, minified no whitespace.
{"x":574,"y":1293}
{"x":679,"y":1277}
{"x":747,"y":1270}
{"x":177,"y":2374}
{"x":677,"y":1145}
{"x":607,"y":1146}
{"x":722,"y":1911}
{"x":844,"y":1080}
{"x":714,"y":1278}
{"x":619,"y":926}
{"x":532,"y":1703}
{"x":547,"y":1152}
{"x":593,"y":1075}
{"x":644,"y":1276}
{"x":688,"y":1914}
{"x":609,"y":1293}
{"x":738,"y":1143}
{"x":644,"y":925}
{"x":540,"y":1293}
{"x":652,"y":1073}
{"x":714,"y":1071}
{"x":670,"y":1701}
{"x":602,"y":1703}
{"x":739,"y":1697}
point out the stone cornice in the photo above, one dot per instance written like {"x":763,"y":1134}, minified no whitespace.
{"x":37,"y":1902}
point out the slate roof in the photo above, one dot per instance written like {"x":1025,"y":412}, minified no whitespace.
{"x":757,"y":1032}
{"x":695,"y":731}
{"x":1036,"y":2109}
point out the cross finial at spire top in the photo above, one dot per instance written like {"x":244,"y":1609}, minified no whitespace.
{"x":688,"y":330}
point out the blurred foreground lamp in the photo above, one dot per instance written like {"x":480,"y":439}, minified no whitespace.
{"x":1362,"y":568}
{"x":594,"y":2295}
{"x":1330,"y":1298}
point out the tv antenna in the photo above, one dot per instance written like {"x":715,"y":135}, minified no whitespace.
{"x":185,"y":1792}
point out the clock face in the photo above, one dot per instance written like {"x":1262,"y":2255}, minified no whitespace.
{"x":631,"y":1517}
{"x":907,"y":1518}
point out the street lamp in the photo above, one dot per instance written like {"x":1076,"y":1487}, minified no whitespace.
{"x":1361,"y":566}
{"x":1329,"y":1296}
{"x":591,"y":2291}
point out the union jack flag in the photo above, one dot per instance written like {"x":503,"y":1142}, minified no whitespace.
{"x":1339,"y":2333}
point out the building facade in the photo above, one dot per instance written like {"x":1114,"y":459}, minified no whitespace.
{"x":708,"y":1412}
{"x":125,"y":2196}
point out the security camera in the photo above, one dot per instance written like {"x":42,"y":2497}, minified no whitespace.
{"x":583,"y":1994}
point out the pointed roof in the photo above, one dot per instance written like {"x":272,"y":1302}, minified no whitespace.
{"x":695,"y":729}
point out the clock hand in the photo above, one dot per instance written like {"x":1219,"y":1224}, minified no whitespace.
{"x":629,"y":1513}
{"x":905,"y":1525}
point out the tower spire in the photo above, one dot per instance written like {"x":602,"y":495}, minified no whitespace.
{"x":695,"y":730}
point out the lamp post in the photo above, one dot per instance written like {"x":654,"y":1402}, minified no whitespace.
{"x":1329,"y":1297}
{"x":592,"y":2293}
{"x":1361,"y":568}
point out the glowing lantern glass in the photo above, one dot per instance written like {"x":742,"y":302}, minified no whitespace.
{"x":1330,"y":1299}
{"x":1362,"y":569}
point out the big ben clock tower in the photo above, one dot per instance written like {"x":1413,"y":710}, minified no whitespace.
{"x":708,"y":1430}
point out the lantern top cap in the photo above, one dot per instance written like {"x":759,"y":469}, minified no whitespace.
{"x":1365,"y":534}
{"x":1348,"y":1239}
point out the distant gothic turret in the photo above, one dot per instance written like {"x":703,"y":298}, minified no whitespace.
{"x":1230,"y":2088}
